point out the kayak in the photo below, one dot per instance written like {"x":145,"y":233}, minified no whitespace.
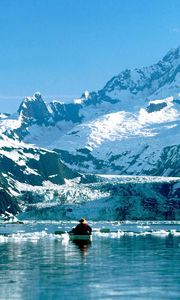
{"x":78,"y":237}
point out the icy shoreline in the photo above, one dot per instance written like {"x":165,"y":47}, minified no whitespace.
{"x":34,"y":231}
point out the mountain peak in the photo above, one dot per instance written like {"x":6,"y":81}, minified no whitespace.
{"x":85,"y":95}
{"x":173,"y":54}
{"x":34,"y":110}
{"x":36,"y":97}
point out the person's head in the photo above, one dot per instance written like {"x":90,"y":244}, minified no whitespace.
{"x":83,"y":221}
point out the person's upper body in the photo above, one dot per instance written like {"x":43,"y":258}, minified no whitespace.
{"x":82,"y":228}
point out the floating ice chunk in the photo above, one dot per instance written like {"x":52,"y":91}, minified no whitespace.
{"x":160,"y":233}
{"x":3,"y":239}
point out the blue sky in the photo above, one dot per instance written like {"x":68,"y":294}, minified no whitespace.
{"x":63,"y":47}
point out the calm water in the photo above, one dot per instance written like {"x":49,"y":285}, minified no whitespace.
{"x":125,"y":267}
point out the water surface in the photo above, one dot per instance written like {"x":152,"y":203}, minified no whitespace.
{"x":114,"y":266}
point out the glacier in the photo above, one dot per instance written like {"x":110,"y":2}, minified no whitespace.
{"x":104,"y":198}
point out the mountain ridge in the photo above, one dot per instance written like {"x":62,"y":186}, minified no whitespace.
{"x":129,"y":110}
{"x":129,"y":127}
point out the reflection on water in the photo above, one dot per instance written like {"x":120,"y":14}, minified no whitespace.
{"x":129,"y":267}
{"x":83,"y":246}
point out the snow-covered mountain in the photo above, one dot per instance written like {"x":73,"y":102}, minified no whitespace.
{"x":129,"y":127}
{"x":21,"y":165}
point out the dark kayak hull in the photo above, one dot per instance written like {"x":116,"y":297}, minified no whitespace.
{"x":78,"y":237}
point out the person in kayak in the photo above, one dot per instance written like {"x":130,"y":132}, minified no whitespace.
{"x":82,"y":228}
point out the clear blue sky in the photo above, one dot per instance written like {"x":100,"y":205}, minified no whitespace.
{"x":63,"y":47}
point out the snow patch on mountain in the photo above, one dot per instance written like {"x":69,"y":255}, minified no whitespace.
{"x":116,"y":133}
{"x":43,"y":136}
